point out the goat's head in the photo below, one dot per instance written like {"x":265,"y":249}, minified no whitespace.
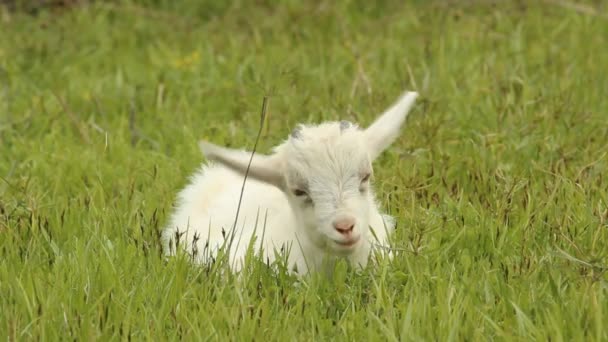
{"x":325,"y":172}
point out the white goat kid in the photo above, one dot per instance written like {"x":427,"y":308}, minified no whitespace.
{"x":312,"y":195}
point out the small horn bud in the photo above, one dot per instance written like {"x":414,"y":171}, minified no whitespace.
{"x":297,"y":132}
{"x":345,"y":125}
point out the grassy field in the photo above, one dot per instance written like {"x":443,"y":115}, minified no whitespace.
{"x":498,"y":183}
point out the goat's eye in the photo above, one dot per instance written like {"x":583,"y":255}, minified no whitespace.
{"x":299,"y":192}
{"x":365,"y":178}
{"x":364,"y":182}
{"x":303,"y":195}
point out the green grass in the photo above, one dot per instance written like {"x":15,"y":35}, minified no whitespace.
{"x":499,"y":182}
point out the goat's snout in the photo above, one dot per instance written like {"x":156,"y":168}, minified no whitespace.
{"x":345,"y":225}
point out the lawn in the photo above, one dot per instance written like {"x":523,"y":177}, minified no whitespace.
{"x":499,"y":182}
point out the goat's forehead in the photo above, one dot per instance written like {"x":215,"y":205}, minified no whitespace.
{"x":338,"y":146}
{"x":332,"y":137}
{"x":327,"y":129}
{"x":329,"y":133}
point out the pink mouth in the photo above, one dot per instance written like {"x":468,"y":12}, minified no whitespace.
{"x":348,"y":243}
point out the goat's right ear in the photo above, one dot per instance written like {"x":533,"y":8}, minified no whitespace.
{"x":264,"y":168}
{"x":387,"y":127}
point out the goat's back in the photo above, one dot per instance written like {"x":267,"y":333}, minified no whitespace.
{"x":207,"y":208}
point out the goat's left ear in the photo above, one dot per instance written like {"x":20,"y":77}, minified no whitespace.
{"x":383,"y":132}
{"x":264,"y":168}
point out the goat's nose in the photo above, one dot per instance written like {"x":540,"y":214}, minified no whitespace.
{"x":345,"y":225}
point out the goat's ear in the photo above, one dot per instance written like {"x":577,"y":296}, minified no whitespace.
{"x":264,"y":168}
{"x":381,"y":134}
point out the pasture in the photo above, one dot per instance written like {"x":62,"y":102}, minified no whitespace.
{"x":498,"y":182}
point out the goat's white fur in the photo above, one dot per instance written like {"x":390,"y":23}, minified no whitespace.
{"x":327,"y":162}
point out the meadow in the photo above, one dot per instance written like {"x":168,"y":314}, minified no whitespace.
{"x":498,"y":183}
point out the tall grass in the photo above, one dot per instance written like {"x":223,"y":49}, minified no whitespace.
{"x":498,"y":183}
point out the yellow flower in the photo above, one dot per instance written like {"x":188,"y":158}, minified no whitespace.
{"x":188,"y":60}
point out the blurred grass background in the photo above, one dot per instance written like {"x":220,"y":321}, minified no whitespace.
{"x":498,"y":182}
